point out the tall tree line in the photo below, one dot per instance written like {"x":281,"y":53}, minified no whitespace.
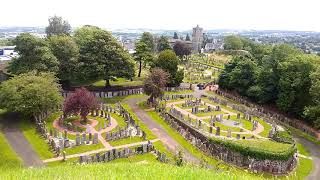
{"x":279,"y":74}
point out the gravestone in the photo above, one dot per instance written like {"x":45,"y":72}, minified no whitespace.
{"x":95,"y":138}
{"x":229,"y":133}
{"x":65,"y":134}
{"x":218,"y":131}
{"x":77,"y":139}
{"x":210,"y":129}
{"x":238,"y":136}
{"x":84,"y":137}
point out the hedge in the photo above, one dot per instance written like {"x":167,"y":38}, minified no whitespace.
{"x":255,"y":152}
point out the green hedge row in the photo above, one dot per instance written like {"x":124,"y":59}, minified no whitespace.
{"x":255,"y":152}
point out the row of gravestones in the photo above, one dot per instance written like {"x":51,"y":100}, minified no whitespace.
{"x":175,"y":96}
{"x":270,"y":115}
{"x":190,"y":102}
{"x":227,"y":155}
{"x":115,"y":154}
{"x":125,"y":133}
{"x":248,"y":113}
{"x":200,"y":126}
{"x":57,"y":141}
{"x":110,"y":94}
{"x":174,"y":89}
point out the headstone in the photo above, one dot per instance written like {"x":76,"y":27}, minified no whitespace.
{"x":84,"y":137}
{"x":65,"y":134}
{"x":229,"y":133}
{"x":95,"y":138}
{"x":218,"y":131}
{"x":238,"y":136}
{"x":77,"y":139}
{"x":210,"y":129}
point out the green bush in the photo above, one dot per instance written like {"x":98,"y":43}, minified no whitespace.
{"x":255,"y":151}
{"x":283,"y":137}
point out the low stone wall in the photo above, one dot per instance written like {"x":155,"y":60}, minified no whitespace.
{"x":109,"y":94}
{"x":221,"y":152}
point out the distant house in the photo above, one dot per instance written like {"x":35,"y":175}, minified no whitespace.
{"x":213,"y":46}
{"x":7,"y":53}
{"x":130,"y":46}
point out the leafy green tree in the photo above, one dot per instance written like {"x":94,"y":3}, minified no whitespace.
{"x":181,"y":49}
{"x":30,"y":94}
{"x":143,"y":54}
{"x":148,"y":39}
{"x":101,"y":56}
{"x":233,"y":43}
{"x":175,"y":35}
{"x":294,"y":83}
{"x":58,"y":26}
{"x":188,"y":38}
{"x":163,"y":44}
{"x":67,"y":52}
{"x":155,"y":83}
{"x":168,"y":61}
{"x":34,"y":55}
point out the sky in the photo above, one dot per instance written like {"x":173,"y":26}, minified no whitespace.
{"x":167,"y":14}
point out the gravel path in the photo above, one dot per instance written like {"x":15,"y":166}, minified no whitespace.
{"x":166,"y":139}
{"x":19,"y":143}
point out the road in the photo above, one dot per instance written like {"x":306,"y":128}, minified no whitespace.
{"x":19,"y":143}
{"x":161,"y":134}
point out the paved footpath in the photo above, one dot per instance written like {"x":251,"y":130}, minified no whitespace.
{"x":314,"y":154}
{"x":19,"y":143}
{"x":166,"y":139}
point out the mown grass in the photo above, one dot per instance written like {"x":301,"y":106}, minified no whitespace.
{"x":120,"y":82}
{"x":178,"y":92}
{"x":149,"y":170}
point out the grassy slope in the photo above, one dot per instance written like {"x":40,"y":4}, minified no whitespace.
{"x":119,"y":171}
{"x":303,"y":169}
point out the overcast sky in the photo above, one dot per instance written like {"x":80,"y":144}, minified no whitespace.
{"x":167,"y":14}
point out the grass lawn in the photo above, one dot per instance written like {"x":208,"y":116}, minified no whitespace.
{"x":120,"y":82}
{"x":128,"y":140}
{"x":178,"y":92}
{"x":83,"y":148}
{"x":120,"y":170}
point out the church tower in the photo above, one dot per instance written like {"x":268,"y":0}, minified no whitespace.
{"x":197,"y":38}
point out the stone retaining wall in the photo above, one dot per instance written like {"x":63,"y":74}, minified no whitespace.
{"x":223,"y":153}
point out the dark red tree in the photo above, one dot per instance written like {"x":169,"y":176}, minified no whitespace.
{"x":81,"y":102}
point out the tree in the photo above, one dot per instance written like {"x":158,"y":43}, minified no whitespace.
{"x":181,"y":49}
{"x":101,"y":56}
{"x":30,"y":94}
{"x":294,"y":83}
{"x":57,"y":26}
{"x":155,"y":83}
{"x":148,"y":39}
{"x":188,"y":38}
{"x":175,"y":35}
{"x":143,"y":54}
{"x":312,"y":112}
{"x":168,"y":61}
{"x":163,"y":44}
{"x":34,"y":55}
{"x":233,"y":43}
{"x":80,"y":102}
{"x":67,"y":52}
